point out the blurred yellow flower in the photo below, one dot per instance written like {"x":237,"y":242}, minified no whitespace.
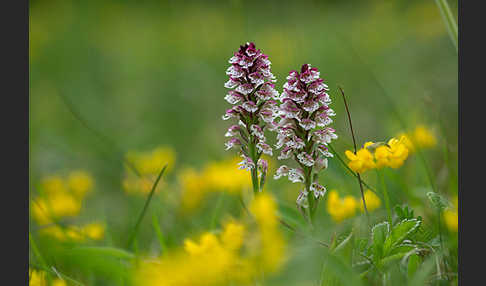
{"x":56,"y":206}
{"x":222,"y":176}
{"x":94,"y":231}
{"x":225,"y":176}
{"x":451,"y":216}
{"x":58,"y":282}
{"x":151,"y":162}
{"x":372,"y":201}
{"x":273,"y":246}
{"x":53,"y":185}
{"x":421,"y":137}
{"x":193,"y":188}
{"x":237,"y":255}
{"x":210,"y":261}
{"x":340,"y":209}
{"x":37,"y":278}
{"x":80,"y":183}
{"x":360,"y":162}
{"x":62,"y":197}
{"x":148,"y":164}
{"x":424,"y":137}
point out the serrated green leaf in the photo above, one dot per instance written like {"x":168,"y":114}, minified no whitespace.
{"x":399,"y":232}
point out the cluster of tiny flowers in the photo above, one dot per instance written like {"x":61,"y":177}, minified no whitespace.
{"x":304,"y":107}
{"x":253,"y":95}
{"x":378,"y":155}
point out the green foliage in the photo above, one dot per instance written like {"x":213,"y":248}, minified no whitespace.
{"x":134,"y":75}
{"x":438,"y":201}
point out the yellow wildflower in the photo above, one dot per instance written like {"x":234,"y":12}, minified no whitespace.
{"x":398,"y":152}
{"x":213,"y":260}
{"x":235,"y":256}
{"x":407,"y":141}
{"x":361,"y":161}
{"x":80,"y":183}
{"x":340,"y":209}
{"x":382,"y":156}
{"x":372,"y":201}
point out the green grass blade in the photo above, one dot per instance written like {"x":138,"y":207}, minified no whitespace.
{"x":36,"y":251}
{"x":449,"y":21}
{"x":158,"y":232}
{"x":145,"y":207}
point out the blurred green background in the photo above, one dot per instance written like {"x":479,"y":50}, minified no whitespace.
{"x":149,"y":73}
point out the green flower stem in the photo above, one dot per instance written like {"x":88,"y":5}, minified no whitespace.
{"x":311,"y":199}
{"x":254,"y":171}
{"x":385,"y":195}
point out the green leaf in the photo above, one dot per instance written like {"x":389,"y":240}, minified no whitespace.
{"x":378,"y":235}
{"x":420,"y":277}
{"x":111,"y":263}
{"x":403,"y":248}
{"x":345,"y":248}
{"x":291,"y":215}
{"x":413,"y":264}
{"x":399,"y":232}
{"x":111,"y":252}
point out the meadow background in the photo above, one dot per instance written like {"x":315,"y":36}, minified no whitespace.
{"x":112,"y":77}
